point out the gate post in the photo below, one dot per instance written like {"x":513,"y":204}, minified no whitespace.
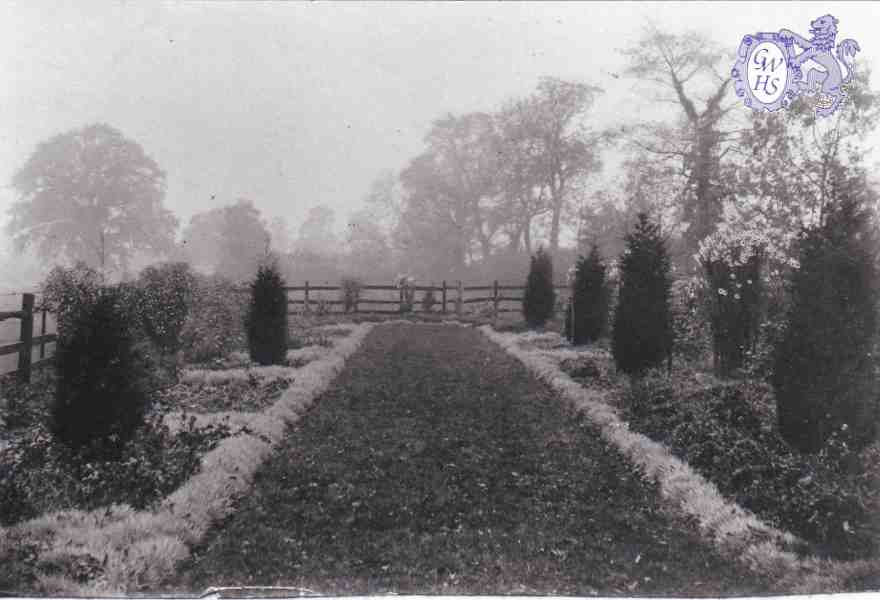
{"x":495,"y":300}
{"x":306,"y":300}
{"x":459,"y":300}
{"x":444,"y":296}
{"x":26,"y":337}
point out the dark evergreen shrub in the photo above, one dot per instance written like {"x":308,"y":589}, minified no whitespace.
{"x":733,"y":274}
{"x":823,"y":372}
{"x":642,"y":335}
{"x":539,"y":297}
{"x":587,"y":314}
{"x":100,"y":398}
{"x":267,"y":318}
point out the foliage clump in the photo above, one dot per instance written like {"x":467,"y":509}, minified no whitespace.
{"x":351,"y":292}
{"x":266,"y":322}
{"x":166,"y":295}
{"x":428,"y":301}
{"x":823,"y":371}
{"x":587,"y":314}
{"x":101,"y":394}
{"x":213,"y":326}
{"x":539,"y":298}
{"x":732,"y":266}
{"x":45,"y":476}
{"x":642,"y":333}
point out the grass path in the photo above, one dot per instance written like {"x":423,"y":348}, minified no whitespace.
{"x":435,"y":463}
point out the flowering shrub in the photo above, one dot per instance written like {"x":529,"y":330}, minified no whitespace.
{"x":732,"y":264}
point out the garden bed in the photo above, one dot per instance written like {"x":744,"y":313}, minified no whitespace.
{"x":726,"y":431}
{"x":436,"y":464}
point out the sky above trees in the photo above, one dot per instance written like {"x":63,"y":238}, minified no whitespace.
{"x":292,"y":105}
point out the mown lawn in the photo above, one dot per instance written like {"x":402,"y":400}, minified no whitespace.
{"x":435,"y":463}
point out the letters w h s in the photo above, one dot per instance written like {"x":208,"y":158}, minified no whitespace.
{"x":760,"y":59}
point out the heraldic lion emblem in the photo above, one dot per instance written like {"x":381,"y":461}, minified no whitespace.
{"x":819,"y":49}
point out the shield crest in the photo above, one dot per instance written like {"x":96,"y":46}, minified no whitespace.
{"x":763,"y":74}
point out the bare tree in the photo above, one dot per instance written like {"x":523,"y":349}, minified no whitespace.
{"x":690,"y":67}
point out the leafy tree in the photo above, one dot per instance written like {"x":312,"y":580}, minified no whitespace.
{"x":566,"y":149}
{"x":586,"y":318}
{"x":823,"y":372}
{"x":367,"y":249}
{"x":267,"y":317}
{"x":91,"y":195}
{"x":642,"y":335}
{"x":539,"y":298}
{"x":100,"y":397}
{"x":230,"y":241}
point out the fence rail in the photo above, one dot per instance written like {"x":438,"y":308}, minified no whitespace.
{"x":406,"y":300}
{"x":26,"y":343}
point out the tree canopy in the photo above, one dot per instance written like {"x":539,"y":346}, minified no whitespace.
{"x":92,"y":195}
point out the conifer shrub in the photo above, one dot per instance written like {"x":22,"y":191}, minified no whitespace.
{"x":823,"y":372}
{"x":101,"y":396}
{"x":539,"y":297}
{"x":266,"y":322}
{"x":586,"y":318}
{"x":642,"y":333}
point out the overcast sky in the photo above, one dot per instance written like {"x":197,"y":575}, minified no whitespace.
{"x":297,"y":104}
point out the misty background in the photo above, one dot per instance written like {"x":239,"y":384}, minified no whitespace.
{"x":306,"y":117}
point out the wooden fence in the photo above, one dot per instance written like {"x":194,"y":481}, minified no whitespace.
{"x":447,"y":298}
{"x":27,"y":343}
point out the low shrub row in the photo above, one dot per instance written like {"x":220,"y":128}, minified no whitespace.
{"x":726,"y":432}
{"x":40,"y":474}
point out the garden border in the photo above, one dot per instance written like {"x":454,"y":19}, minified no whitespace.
{"x":736,"y":532}
{"x":141,"y":548}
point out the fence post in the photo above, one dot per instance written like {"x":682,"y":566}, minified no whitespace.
{"x":459,"y":301}
{"x":43,"y":335}
{"x":495,"y":300}
{"x":444,"y":296}
{"x":26,"y":337}
{"x":306,"y":299}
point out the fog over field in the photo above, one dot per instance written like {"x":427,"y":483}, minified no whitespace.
{"x":294,"y":106}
